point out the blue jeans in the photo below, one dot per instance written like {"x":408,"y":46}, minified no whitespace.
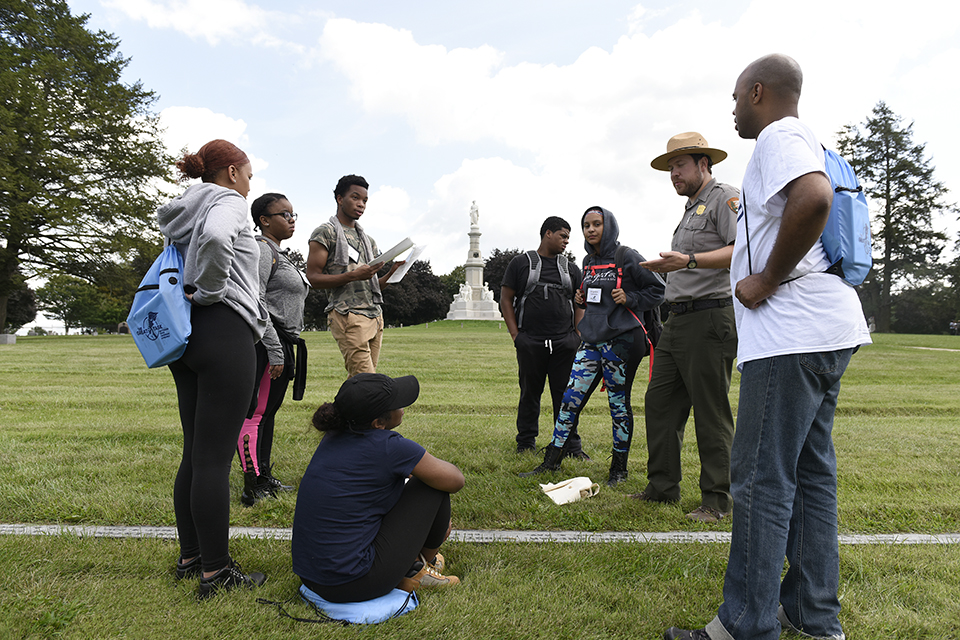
{"x":784,"y":486}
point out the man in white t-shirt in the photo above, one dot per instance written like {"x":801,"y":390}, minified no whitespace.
{"x":798,"y":328}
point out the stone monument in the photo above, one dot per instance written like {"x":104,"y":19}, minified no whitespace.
{"x":475,"y":300}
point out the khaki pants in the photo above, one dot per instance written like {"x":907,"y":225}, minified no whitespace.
{"x":359,"y":339}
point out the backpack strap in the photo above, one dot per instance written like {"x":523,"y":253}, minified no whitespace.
{"x":566,"y":282}
{"x":652,"y":316}
{"x":273,"y":250}
{"x":533,"y":281}
{"x":533,"y":277}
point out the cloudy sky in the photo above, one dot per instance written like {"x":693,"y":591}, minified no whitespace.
{"x":530,"y":108}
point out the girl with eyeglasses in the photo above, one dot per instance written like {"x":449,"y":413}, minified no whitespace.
{"x":281,"y":355}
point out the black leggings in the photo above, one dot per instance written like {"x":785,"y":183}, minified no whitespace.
{"x":418,"y":521}
{"x":258,"y":429}
{"x":214,"y":379}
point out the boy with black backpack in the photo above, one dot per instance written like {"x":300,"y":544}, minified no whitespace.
{"x":536,"y":299}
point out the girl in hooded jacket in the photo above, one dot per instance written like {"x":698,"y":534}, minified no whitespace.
{"x":215,"y":375}
{"x":614,"y":339}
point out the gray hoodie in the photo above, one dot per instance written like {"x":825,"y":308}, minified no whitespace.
{"x":210,"y":226}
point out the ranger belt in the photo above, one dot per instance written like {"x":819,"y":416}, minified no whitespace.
{"x":690,"y":306}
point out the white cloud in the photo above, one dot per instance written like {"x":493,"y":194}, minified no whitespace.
{"x":189,"y":128}
{"x":592,"y":127}
{"x":390,"y":207}
{"x":211,"y":20}
{"x":548,"y":139}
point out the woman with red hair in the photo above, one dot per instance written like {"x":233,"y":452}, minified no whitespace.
{"x":215,"y":375}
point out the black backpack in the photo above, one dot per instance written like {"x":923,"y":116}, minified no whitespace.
{"x":565,"y":287}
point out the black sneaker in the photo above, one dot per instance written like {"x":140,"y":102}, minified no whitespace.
{"x":230,"y":577}
{"x":273,"y":485}
{"x":674,"y":633}
{"x":255,"y":489}
{"x":191,"y":569}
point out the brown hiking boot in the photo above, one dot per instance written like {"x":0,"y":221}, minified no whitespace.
{"x":427,"y":576}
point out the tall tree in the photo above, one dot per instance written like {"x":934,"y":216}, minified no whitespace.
{"x":82,"y":164}
{"x":22,"y":308}
{"x":898,"y":180}
{"x":926,"y":309}
{"x":494,"y":268}
{"x":452,"y":281}
{"x":420,"y":297}
{"x":75,"y":302}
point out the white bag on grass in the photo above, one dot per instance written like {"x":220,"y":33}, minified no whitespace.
{"x":571,"y":490}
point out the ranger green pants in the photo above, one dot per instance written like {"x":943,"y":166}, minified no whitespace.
{"x":691,"y":369}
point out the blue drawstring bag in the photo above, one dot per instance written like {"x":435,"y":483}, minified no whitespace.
{"x":846,"y":238}
{"x":396,"y":603}
{"x":159,"y":319}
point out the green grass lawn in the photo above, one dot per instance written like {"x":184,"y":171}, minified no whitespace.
{"x":90,"y":436}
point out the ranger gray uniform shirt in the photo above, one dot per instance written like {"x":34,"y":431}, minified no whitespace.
{"x":709,"y":223}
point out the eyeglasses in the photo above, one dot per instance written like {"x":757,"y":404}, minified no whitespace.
{"x":289,"y":216}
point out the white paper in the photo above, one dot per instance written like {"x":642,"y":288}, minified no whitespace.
{"x":392,"y":253}
{"x":402,"y":269}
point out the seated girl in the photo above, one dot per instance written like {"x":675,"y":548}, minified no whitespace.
{"x":361,"y":528}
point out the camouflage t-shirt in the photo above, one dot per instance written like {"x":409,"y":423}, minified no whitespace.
{"x":353,"y":297}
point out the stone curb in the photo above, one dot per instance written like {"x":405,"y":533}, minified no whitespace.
{"x":468,"y":535}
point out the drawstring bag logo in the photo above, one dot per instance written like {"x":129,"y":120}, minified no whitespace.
{"x":152,"y":329}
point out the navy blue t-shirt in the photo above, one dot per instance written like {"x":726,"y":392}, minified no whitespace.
{"x":353,"y":480}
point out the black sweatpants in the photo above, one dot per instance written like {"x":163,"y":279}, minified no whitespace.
{"x":537,"y":362}
{"x":214,"y":379}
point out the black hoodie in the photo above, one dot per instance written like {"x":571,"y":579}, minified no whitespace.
{"x":606,"y":319}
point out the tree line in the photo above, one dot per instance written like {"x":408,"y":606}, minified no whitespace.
{"x":83,"y":168}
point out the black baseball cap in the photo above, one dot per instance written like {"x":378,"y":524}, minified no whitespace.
{"x":367,"y":396}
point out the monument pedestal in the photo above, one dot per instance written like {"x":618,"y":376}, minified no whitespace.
{"x":475,"y":300}
{"x":474,"y":310}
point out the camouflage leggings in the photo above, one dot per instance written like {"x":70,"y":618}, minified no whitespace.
{"x":611,"y":359}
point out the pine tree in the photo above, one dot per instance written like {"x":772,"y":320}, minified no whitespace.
{"x":81,"y":158}
{"x":904,"y":200}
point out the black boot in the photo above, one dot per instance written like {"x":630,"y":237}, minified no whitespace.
{"x":618,"y":468}
{"x":254,"y":488}
{"x":274,"y":486}
{"x":574,"y":449}
{"x":551,"y":461}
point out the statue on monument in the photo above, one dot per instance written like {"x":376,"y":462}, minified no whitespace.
{"x":473,"y":301}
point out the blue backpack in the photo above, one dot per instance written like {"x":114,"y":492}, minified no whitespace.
{"x":159,"y":319}
{"x":846,"y":238}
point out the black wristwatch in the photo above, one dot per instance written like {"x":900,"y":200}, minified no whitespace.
{"x":693,"y":261}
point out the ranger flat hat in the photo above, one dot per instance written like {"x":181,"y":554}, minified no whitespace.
{"x":686,"y":144}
